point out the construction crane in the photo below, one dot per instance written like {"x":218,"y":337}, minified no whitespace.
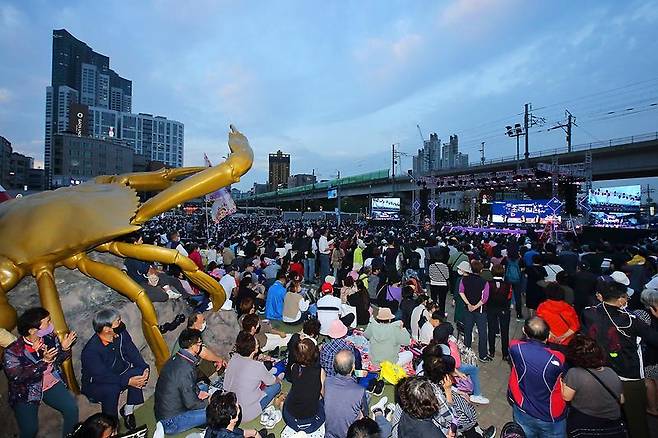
{"x":422,"y":137}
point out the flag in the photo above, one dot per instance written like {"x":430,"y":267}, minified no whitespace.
{"x":217,"y":193}
{"x":223,"y":204}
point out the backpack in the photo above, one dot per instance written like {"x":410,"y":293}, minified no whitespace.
{"x":513,"y":272}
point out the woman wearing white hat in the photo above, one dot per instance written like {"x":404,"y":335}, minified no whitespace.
{"x":386,"y":337}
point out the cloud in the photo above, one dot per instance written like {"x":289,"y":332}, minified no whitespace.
{"x":383,"y":60}
{"x":476,"y":18}
{"x":5,"y":95}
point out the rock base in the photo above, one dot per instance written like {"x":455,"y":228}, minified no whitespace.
{"x":81,"y":298}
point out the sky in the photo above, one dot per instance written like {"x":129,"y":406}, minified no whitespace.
{"x":335,"y":84}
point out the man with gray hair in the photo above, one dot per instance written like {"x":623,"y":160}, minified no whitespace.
{"x":345,"y":401}
{"x":111,"y":364}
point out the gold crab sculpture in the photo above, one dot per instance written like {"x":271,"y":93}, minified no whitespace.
{"x":41,"y":232}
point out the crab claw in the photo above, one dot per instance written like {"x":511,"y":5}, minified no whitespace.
{"x":242,"y":157}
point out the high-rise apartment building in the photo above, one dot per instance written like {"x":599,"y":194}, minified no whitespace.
{"x":435,"y":157}
{"x":79,"y":75}
{"x":279,"y":170}
{"x":428,"y":158}
{"x":88,"y":98}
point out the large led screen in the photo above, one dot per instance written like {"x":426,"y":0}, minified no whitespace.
{"x":620,"y":199}
{"x":524,"y":212}
{"x":385,"y":209}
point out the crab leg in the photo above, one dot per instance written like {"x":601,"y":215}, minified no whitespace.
{"x":149,"y":181}
{"x":152,"y":253}
{"x":50,"y":301}
{"x":202,"y":183}
{"x":119,"y":281}
{"x":10,"y":275}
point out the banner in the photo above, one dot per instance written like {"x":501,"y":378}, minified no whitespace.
{"x":223,"y":204}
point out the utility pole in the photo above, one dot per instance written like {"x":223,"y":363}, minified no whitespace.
{"x":525,"y":129}
{"x":393,"y":167}
{"x":529,"y":120}
{"x":338,"y":197}
{"x":569,"y":123}
{"x":566,"y":127}
{"x":482,"y":154}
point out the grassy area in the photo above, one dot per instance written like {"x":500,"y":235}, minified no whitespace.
{"x":145,"y":415}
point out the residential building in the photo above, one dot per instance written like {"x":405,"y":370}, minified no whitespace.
{"x":155,"y":137}
{"x":279,"y":170}
{"x":17,"y":170}
{"x":428,"y":158}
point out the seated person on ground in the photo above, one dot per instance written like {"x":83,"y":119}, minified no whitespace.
{"x":275,"y":297}
{"x":224,"y":415}
{"x":244,"y":375}
{"x":386,"y":336}
{"x":210,"y":361}
{"x":111,"y":364}
{"x":344,"y":400}
{"x":310,"y":330}
{"x":303,"y":409}
{"x":179,"y":404}
{"x":268,"y":337}
{"x":330,"y":309}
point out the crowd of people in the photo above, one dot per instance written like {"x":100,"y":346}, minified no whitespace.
{"x":335,"y":314}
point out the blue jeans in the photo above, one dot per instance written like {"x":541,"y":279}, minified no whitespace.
{"x":385,"y":428}
{"x":57,"y":397}
{"x":517,"y":293}
{"x":535,"y":428}
{"x":479,"y":318}
{"x":270,"y":392}
{"x":474,"y":373}
{"x":324,"y":266}
{"x":308,"y":425}
{"x":309,"y":269}
{"x":185,"y":421}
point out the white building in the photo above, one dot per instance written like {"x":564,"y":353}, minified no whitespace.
{"x":155,"y":137}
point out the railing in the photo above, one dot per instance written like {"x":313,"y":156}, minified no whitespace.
{"x":575,"y":148}
{"x":380,"y":174}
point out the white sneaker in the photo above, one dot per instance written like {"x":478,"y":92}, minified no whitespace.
{"x":266,"y":415}
{"x":388,"y":412}
{"x":379,"y":405}
{"x":481,"y":400}
{"x":159,"y":431}
{"x":274,"y":419}
{"x":173,"y":295}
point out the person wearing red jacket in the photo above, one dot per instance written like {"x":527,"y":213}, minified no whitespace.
{"x":560,"y":316}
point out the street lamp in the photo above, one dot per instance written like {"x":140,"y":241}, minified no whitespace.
{"x":516,"y":131}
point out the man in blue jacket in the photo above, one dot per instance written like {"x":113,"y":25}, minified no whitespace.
{"x":275,"y":296}
{"x":111,"y":364}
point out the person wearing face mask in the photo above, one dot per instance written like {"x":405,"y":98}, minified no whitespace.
{"x":211,"y":362}
{"x":180,"y":404}
{"x":619,"y":333}
{"x":111,"y":364}
{"x":32,"y":364}
{"x":224,"y":416}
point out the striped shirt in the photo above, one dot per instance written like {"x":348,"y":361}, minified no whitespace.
{"x":439,"y":274}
